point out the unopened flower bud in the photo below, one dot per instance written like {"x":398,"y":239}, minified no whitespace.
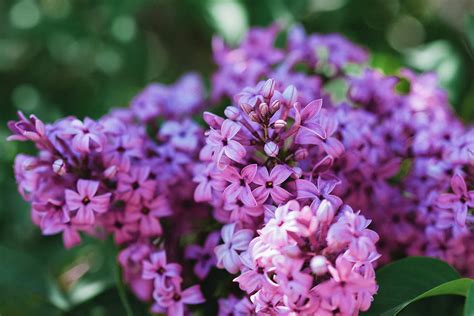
{"x":59,"y":167}
{"x":263,"y":108}
{"x":290,"y":94}
{"x":275,"y":106}
{"x":279,"y":124}
{"x":319,"y":265}
{"x":325,"y":212}
{"x":301,"y":154}
{"x":110,"y":172}
{"x":271,"y":149}
{"x":253,"y":116}
{"x":268,"y":88}
{"x":232,"y":112}
{"x":246,"y":108}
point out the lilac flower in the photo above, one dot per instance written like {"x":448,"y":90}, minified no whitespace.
{"x":175,"y":303}
{"x":332,"y":146}
{"x":240,"y":184}
{"x":206,"y":183}
{"x":86,"y":201}
{"x":173,"y":102}
{"x":389,"y":153}
{"x":234,"y":241}
{"x":131,"y":259}
{"x":182,"y":135}
{"x":122,"y":150}
{"x":461,"y":199}
{"x":123,"y":230}
{"x":307,"y":190}
{"x":252,"y":276}
{"x":310,"y":130}
{"x":70,"y":233}
{"x":27,"y":129}
{"x":224,"y":143}
{"x":204,"y":256}
{"x":270,"y":184}
{"x":86,"y":136}
{"x":157,"y":268}
{"x":147,"y":214}
{"x":136,"y":185}
{"x":344,"y":290}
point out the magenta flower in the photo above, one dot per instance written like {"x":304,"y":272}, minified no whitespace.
{"x":175,"y":303}
{"x":346,"y":286}
{"x":204,"y":256}
{"x":252,"y":277}
{"x":123,"y":230}
{"x":147,"y":214}
{"x":206,"y":183}
{"x":136,"y":185}
{"x":86,"y":202}
{"x":27,"y":129}
{"x":224,"y":143}
{"x":270,"y":184}
{"x":309,"y":129}
{"x":157,"y":268}
{"x":234,"y":242}
{"x":306,"y":189}
{"x":332,"y":146}
{"x":122,"y":150}
{"x":460,"y":200}
{"x":70,"y":233}
{"x":86,"y":136}
{"x":292,"y":279}
{"x":181,"y":135}
{"x":239,"y":184}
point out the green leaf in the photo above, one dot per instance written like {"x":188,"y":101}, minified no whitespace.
{"x":469,"y":306}
{"x":405,"y":280}
{"x":455,"y":287}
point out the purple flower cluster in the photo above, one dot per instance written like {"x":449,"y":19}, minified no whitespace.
{"x":111,"y":177}
{"x":280,"y":174}
{"x":176,"y":101}
{"x":297,"y":248}
{"x":408,"y":160}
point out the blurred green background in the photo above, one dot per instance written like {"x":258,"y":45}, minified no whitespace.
{"x":82,"y":57}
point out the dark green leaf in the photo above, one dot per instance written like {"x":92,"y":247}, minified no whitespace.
{"x":405,"y":280}
{"x":455,"y":287}
{"x":469,"y":306}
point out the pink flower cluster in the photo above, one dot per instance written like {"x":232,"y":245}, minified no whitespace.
{"x":405,"y":150}
{"x":111,"y":177}
{"x":266,"y":171}
{"x":268,"y":192}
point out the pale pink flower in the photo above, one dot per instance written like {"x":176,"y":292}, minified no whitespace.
{"x":234,"y":242}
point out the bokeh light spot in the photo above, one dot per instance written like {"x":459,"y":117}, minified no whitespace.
{"x":124,"y":28}
{"x":230,"y":19}
{"x":25,"y":14}
{"x":326,"y":5}
{"x":108,"y":61}
{"x":406,"y":32}
{"x":26,"y":98}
